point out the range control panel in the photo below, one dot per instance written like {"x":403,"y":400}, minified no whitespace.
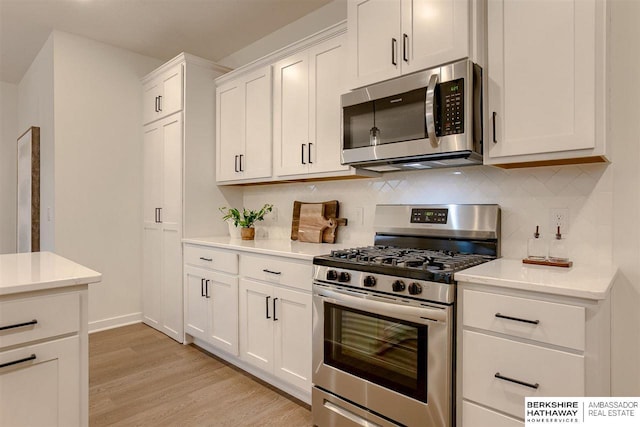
{"x":429,"y":216}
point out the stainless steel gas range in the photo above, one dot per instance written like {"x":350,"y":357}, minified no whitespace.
{"x":384,"y":316}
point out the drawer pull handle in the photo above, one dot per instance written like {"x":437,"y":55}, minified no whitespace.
{"x":19,"y":325}
{"x":15,"y":362}
{"x":511,"y":380}
{"x":206,"y":259}
{"x":272,"y":272}
{"x":502,"y":316}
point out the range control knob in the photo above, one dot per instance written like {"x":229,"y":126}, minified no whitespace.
{"x":369,"y":281}
{"x":415,"y":288}
{"x":332,"y":275}
{"x":398,"y":286}
{"x":344,"y":277}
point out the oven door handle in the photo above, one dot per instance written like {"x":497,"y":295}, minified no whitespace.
{"x":422,"y":314}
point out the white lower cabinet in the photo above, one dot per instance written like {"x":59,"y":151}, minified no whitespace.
{"x":500,"y":372}
{"x":211,"y":297}
{"x":477,"y":416}
{"x":44,"y":376}
{"x":515,"y":344}
{"x":42,"y":387}
{"x":256,"y":309}
{"x":275,"y":331}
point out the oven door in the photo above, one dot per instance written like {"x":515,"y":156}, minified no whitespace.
{"x":391,"y":357}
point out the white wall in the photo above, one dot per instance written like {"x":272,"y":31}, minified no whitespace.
{"x":8,"y":137}
{"x":35,"y":108}
{"x":318,"y":20}
{"x":624,"y":132}
{"x":87,"y":99}
{"x":98,"y":158}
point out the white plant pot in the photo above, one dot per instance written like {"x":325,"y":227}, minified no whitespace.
{"x":234,"y":232}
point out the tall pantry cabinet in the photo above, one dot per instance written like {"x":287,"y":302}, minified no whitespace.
{"x":180,"y":196}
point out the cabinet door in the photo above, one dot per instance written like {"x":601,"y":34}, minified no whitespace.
{"x":291,"y":115}
{"x":541,"y":83}
{"x":151,"y":92}
{"x":196,"y":305}
{"x":230,"y":130}
{"x":256,"y":324}
{"x":293,"y":337}
{"x":375,"y":40}
{"x":434,"y":32}
{"x":162,"y":229}
{"x":221,"y":291}
{"x":171,"y":97}
{"x":171,"y":218}
{"x":256,"y":158}
{"x":152,"y":228}
{"x":163,"y":95}
{"x":326,"y":83}
{"x":45,"y":390}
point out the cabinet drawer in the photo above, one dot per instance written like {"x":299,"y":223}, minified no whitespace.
{"x":41,"y":317}
{"x":212,"y":259}
{"x":477,"y":416}
{"x":297,"y":274}
{"x":556,"y":373}
{"x":558,"y":324}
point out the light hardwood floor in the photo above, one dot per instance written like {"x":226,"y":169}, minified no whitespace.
{"x":140,"y":377}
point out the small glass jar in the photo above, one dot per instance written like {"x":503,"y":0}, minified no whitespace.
{"x":558,"y":250}
{"x":537,"y":247}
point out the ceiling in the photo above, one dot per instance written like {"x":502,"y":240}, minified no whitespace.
{"x":212,"y":29}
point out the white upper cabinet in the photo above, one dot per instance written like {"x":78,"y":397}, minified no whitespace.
{"x":163,"y":95}
{"x":243,"y":107}
{"x":388,"y":38}
{"x":546,"y":72}
{"x":279,"y":118}
{"x":307,"y":89}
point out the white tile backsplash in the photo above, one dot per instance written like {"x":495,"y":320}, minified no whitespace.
{"x":525,"y":196}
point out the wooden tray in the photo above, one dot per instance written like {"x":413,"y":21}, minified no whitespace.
{"x":317,"y":218}
{"x":565,"y":264}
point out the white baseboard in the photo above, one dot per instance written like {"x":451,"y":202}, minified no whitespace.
{"x":114,"y":322}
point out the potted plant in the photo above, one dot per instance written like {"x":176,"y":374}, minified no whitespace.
{"x":245,"y":219}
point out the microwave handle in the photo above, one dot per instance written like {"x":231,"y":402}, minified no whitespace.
{"x":430,"y":108}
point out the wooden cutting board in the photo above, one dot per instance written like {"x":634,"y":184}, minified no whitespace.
{"x":316,"y":215}
{"x":313,"y":222}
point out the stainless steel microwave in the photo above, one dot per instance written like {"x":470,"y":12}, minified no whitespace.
{"x":428,"y":119}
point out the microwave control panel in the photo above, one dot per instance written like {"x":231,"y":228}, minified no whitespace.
{"x":429,"y":216}
{"x":451,"y":108}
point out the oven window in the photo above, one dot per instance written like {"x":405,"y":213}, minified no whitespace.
{"x":389,"y":352}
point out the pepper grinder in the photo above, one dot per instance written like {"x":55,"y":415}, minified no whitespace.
{"x":536,"y":247}
{"x":558,"y":249}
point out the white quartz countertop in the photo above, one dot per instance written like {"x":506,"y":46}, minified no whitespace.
{"x":285,"y":248}
{"x":37,"y":271}
{"x":582,"y":281}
